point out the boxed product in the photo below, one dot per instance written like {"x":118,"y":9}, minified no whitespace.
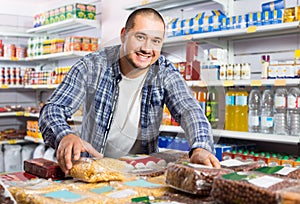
{"x":98,"y":170}
{"x":193,"y":178}
{"x":249,"y":187}
{"x":43,"y":168}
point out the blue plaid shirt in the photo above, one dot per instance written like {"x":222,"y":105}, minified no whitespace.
{"x":93,"y":83}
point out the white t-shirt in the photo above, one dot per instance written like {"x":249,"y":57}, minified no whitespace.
{"x":125,"y":127}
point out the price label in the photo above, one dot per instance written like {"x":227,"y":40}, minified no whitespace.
{"x":50,"y":86}
{"x":280,"y":82}
{"x":297,"y":54}
{"x":35,"y":86}
{"x":251,"y":29}
{"x":19,"y":113}
{"x":26,"y":114}
{"x":144,"y":2}
{"x":228,"y":83}
{"x":201,"y":83}
{"x":4,"y":86}
{"x":187,"y":37}
{"x":14,"y":59}
{"x":12,"y":141}
{"x":256,"y":83}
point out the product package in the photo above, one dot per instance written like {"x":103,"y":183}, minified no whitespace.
{"x":257,"y":187}
{"x":5,"y":195}
{"x":142,"y":161}
{"x":43,"y":168}
{"x":193,"y":178}
{"x":171,"y":155}
{"x":290,"y":195}
{"x":238,"y":165}
{"x":99,"y":170}
{"x":281,"y":171}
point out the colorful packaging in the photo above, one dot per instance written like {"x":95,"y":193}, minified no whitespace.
{"x":197,"y":23}
{"x":273,"y":5}
{"x":90,"y":12}
{"x":217,"y":18}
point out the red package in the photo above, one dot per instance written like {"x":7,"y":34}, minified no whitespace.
{"x":43,"y":168}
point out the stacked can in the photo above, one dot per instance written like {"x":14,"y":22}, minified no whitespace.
{"x":11,"y":76}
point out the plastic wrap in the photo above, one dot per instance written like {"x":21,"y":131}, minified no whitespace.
{"x":144,"y":161}
{"x":5,"y":195}
{"x":290,"y":195}
{"x":281,"y":171}
{"x":99,"y":170}
{"x":43,"y":168}
{"x":23,"y":190}
{"x":192,"y":178}
{"x":171,"y":155}
{"x":237,"y":165}
{"x":249,"y":187}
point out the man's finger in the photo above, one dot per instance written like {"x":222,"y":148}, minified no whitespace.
{"x":91,"y":150}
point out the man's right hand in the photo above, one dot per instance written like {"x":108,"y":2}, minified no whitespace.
{"x":70,"y":148}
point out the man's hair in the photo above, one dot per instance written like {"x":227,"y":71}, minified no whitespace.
{"x":142,"y":11}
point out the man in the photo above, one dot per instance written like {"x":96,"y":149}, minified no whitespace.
{"x":123,"y":90}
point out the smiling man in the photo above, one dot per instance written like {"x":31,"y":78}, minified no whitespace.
{"x":123,"y":90}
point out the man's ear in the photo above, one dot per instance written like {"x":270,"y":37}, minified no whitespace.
{"x":123,"y":33}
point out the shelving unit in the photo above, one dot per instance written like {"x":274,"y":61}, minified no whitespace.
{"x":58,"y":56}
{"x":66,"y":26}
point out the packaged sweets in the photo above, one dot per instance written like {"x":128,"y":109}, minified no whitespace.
{"x":249,"y":187}
{"x":193,"y":178}
{"x":5,"y":195}
{"x":43,"y":168}
{"x":171,"y":155}
{"x":142,"y":161}
{"x":98,"y":170}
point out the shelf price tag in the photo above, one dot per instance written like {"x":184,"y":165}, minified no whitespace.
{"x":201,"y":84}
{"x":50,"y":86}
{"x":144,"y":2}
{"x":187,"y":37}
{"x":35,"y":86}
{"x":297,"y":54}
{"x":19,"y":113}
{"x":26,"y":114}
{"x":12,"y":141}
{"x":280,"y":82}
{"x":4,"y":86}
{"x":251,"y":29}
{"x":256,"y":83}
{"x":14,"y":59}
{"x":228,"y":83}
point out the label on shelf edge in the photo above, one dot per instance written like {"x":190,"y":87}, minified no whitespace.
{"x":144,"y":2}
{"x":4,"y":86}
{"x":255,"y":83}
{"x":187,"y":37}
{"x":12,"y":141}
{"x":228,"y":83}
{"x":297,"y":54}
{"x":201,"y":83}
{"x":19,"y":113}
{"x":251,"y":29}
{"x":27,"y":114}
{"x":280,"y":82}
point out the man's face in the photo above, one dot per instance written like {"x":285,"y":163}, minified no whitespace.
{"x":142,"y":44}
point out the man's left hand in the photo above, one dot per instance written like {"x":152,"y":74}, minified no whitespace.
{"x":202,"y":156}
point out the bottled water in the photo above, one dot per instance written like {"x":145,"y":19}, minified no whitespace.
{"x":267,"y":114}
{"x":280,"y":106}
{"x":254,"y":111}
{"x":212,"y":109}
{"x":294,"y":111}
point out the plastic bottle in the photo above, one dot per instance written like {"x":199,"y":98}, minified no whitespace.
{"x":267,"y":113}
{"x":212,"y":107}
{"x":254,"y":110}
{"x":241,"y":110}
{"x":293,"y":106}
{"x":280,"y":106}
{"x":229,"y":109}
{"x":202,"y":100}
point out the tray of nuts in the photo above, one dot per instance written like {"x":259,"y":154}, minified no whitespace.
{"x":249,"y":187}
{"x":192,"y":178}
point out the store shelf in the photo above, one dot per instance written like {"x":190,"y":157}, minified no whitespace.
{"x":13,"y":141}
{"x":283,"y":139}
{"x":7,"y":59}
{"x":4,"y":86}
{"x":163,"y":5}
{"x":253,"y":82}
{"x":234,"y":34}
{"x":65,"y":26}
{"x":33,"y":139}
{"x":41,"y":86}
{"x":11,"y":114}
{"x":31,"y":115}
{"x":58,"y":56}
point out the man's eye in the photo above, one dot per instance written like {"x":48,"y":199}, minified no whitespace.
{"x":140,"y":37}
{"x":157,"y":42}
